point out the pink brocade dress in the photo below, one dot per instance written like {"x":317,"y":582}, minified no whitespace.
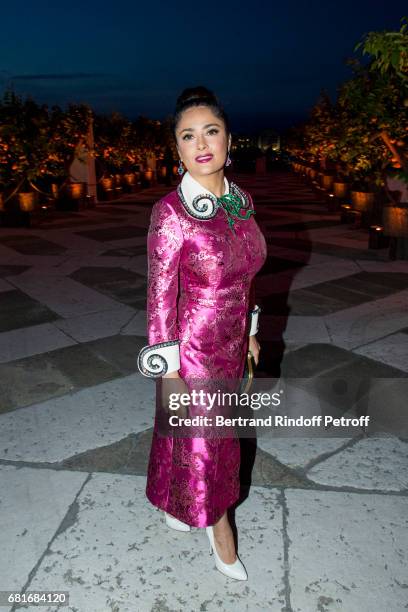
{"x":200,"y":292}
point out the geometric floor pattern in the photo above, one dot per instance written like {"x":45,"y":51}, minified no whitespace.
{"x":322,"y":516}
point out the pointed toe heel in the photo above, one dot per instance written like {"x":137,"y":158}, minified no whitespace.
{"x":174,"y":523}
{"x":234,"y":570}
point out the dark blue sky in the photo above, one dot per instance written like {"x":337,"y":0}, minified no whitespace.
{"x":266,"y":62}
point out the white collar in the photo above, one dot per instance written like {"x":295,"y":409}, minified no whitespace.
{"x":201,"y":203}
{"x":192,"y":188}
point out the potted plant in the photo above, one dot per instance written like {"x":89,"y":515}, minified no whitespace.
{"x":112,"y":143}
{"x":24,"y":147}
{"x":68,"y":136}
{"x":388,"y":53}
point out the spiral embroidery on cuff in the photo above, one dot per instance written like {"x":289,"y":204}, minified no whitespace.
{"x":153,"y":360}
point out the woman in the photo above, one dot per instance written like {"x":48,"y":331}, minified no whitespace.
{"x":204,"y":249}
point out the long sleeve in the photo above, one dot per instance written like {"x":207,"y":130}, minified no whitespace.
{"x":164,"y":243}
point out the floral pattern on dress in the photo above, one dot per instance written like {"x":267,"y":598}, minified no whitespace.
{"x":200,"y":292}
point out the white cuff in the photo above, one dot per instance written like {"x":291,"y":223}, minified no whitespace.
{"x":156,"y":360}
{"x":254,"y":326}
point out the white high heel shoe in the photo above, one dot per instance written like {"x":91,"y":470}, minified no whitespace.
{"x":174,"y":523}
{"x":232,"y":570}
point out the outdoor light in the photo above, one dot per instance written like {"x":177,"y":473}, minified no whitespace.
{"x":376,"y":238}
{"x":346,"y":215}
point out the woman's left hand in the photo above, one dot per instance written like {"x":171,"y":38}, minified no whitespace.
{"x":254,"y":347}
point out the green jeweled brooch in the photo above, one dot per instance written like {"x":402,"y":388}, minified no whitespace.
{"x":232,"y":205}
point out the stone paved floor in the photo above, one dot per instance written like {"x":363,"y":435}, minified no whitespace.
{"x":323,"y":518}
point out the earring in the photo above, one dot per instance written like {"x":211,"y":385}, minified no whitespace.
{"x":228,"y":162}
{"x":180,"y":169}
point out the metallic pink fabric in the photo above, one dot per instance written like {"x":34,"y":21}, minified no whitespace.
{"x":200,"y":291}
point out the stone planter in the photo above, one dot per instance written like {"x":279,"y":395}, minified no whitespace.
{"x":119,"y":180}
{"x":72,"y":198}
{"x":340,"y":190}
{"x":129,"y":183}
{"x":27,"y":201}
{"x":106,"y":189}
{"x":129,"y":179}
{"x":327,"y":181}
{"x":75,"y":191}
{"x":106,"y":183}
{"x":362,"y":201}
{"x":55,"y":190}
{"x":395,"y":221}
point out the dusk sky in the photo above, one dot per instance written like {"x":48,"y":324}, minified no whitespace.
{"x":267,"y":62}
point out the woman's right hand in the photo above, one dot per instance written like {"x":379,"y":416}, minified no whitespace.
{"x":172,"y":387}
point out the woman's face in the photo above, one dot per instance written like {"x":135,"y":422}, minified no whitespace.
{"x":202,"y":141}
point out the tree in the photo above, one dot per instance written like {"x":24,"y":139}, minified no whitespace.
{"x":366,"y":129}
{"x":389,"y":58}
{"x":37,"y":145}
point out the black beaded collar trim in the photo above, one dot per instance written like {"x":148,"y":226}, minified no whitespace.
{"x":205,"y":205}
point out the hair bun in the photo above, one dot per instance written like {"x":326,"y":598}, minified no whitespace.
{"x":199,"y":93}
{"x":198,"y":96}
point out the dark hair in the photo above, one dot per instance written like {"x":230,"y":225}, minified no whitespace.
{"x":199,"y":96}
